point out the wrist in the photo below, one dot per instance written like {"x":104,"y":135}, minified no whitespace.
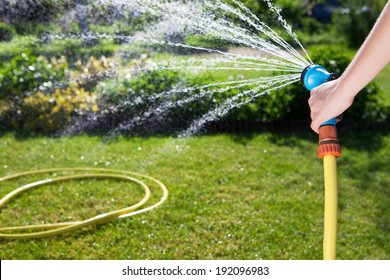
{"x":345,"y":90}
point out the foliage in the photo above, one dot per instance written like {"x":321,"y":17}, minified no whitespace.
{"x":294,"y":11}
{"x":368,"y":105}
{"x":292,"y":102}
{"x":154,"y":97}
{"x":47,"y":113}
{"x":6,"y":32}
{"x":206,"y":42}
{"x":35,"y":95}
{"x":146,"y":84}
{"x":26,"y":72}
{"x":25,"y":14}
{"x":355,"y":19}
{"x":20,"y":78}
{"x":89,"y":73}
{"x":350,"y":21}
{"x":383,"y":80}
{"x":269,"y":107}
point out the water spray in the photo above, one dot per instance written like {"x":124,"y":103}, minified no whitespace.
{"x":328,"y":150}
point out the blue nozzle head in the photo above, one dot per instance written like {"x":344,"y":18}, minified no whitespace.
{"x":315,"y":75}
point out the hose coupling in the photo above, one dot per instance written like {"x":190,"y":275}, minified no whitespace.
{"x":328,"y":143}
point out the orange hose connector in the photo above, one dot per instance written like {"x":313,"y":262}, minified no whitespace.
{"x":328,"y":142}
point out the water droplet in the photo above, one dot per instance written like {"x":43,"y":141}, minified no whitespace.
{"x":139,"y":148}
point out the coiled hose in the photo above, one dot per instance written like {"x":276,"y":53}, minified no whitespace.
{"x":47,"y":230}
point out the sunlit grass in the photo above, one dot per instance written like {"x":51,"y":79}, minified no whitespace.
{"x":231,"y":197}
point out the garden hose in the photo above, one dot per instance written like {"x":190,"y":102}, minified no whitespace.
{"x":47,"y":230}
{"x":328,"y":149}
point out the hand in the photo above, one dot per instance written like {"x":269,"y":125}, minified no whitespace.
{"x":326,"y":102}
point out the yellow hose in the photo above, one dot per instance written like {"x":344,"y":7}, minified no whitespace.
{"x":330,"y":216}
{"x":46,"y":230}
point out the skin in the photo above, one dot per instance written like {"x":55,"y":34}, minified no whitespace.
{"x":331,"y":99}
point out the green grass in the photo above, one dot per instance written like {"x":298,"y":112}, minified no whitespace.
{"x":70,"y":47}
{"x":231,"y":197}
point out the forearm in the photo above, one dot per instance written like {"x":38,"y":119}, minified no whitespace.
{"x":372,"y":57}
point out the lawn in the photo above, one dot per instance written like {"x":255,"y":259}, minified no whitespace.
{"x":232,"y":196}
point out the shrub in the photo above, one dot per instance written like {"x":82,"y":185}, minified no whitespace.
{"x":115,"y":91}
{"x":291,"y":102}
{"x":26,"y":72}
{"x":89,"y":73}
{"x":206,"y":42}
{"x":368,"y":103}
{"x":25,"y":14}
{"x":355,"y":19}
{"x":47,"y":113}
{"x":6,"y":32}
{"x":150,"y":102}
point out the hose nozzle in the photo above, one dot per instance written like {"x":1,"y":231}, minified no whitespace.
{"x":314,"y":75}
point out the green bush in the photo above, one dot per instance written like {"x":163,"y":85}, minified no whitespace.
{"x":154,"y":98}
{"x":146,"y":84}
{"x":26,"y":72}
{"x":7,"y":32}
{"x":35,"y":94}
{"x":47,"y":113}
{"x":207,"y":42}
{"x":24,"y":15}
{"x":21,"y":77}
{"x":368,"y":103}
{"x":355,"y":19}
{"x":291,"y":103}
